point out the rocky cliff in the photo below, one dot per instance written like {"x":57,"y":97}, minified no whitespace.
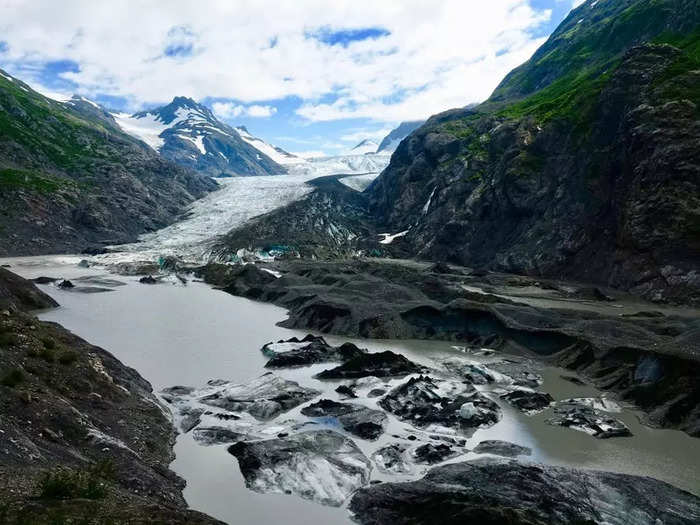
{"x":71,"y":179}
{"x":584,"y":163}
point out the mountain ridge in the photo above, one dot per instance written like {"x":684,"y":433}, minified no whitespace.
{"x":189,"y":134}
{"x":580,"y":167}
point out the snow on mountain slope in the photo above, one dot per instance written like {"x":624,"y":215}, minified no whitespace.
{"x":189,"y":134}
{"x":393,"y":139}
{"x":277,"y":154}
{"x":364,"y":147}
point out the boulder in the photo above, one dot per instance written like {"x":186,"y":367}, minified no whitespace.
{"x":433,"y":453}
{"x":391,"y":459}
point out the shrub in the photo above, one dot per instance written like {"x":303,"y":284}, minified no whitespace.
{"x":8,"y":339}
{"x":49,"y":343}
{"x":68,"y":357}
{"x":67,"y":484}
{"x":12,"y":378}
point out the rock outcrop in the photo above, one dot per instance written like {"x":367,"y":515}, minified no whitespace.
{"x":504,"y":491}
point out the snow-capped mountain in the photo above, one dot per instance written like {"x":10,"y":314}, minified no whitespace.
{"x":364,"y":147}
{"x":189,"y":134}
{"x":393,"y":139}
{"x":277,"y":154}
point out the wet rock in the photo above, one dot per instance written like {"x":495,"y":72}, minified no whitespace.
{"x":345,"y":390}
{"x":502,"y":448}
{"x":216,"y":435}
{"x":528,"y":401}
{"x":573,"y":379}
{"x":148,"y":279}
{"x":580,"y":416}
{"x":322,"y":466}
{"x":425,"y":401}
{"x":381,"y":364}
{"x":359,"y":420}
{"x":306,"y":352}
{"x":391,"y":459}
{"x":500,"y":491}
{"x":431,"y":454}
{"x":66,"y":284}
{"x":44,"y":280}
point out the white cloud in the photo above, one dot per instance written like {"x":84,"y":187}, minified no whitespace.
{"x":438,"y":54}
{"x":576,"y":3}
{"x":229,"y":110}
{"x":355,"y":135}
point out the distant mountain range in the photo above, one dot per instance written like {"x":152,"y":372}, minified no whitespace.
{"x":189,"y":134}
{"x":71,"y":179}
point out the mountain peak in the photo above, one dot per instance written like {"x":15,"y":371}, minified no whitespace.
{"x":365,"y":146}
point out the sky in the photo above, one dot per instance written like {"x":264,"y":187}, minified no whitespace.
{"x":312,"y":76}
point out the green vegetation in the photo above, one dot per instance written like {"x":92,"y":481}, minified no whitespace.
{"x":66,"y":484}
{"x":41,"y":183}
{"x":48,"y":343}
{"x":68,"y":357}
{"x":12,"y":378}
{"x":8,"y":339}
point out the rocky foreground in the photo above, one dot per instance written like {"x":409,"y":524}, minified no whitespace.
{"x":82,"y":437}
{"x":500,"y":491}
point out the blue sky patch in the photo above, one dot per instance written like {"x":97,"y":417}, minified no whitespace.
{"x":345,"y":37}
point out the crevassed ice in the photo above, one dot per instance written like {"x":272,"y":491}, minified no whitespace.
{"x":238,"y":200}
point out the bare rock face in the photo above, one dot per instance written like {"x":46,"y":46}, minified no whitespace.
{"x":292,"y":465}
{"x":501,"y":491}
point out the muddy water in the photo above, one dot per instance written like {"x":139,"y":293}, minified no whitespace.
{"x":175,"y":334}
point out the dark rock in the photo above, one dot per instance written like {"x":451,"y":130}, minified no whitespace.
{"x":66,"y":284}
{"x":359,"y":420}
{"x":310,"y":350}
{"x":441,"y":267}
{"x":432,"y":454}
{"x":321,"y":465}
{"x":500,"y":491}
{"x":346,"y":391}
{"x":149,"y":279}
{"x":376,"y":392}
{"x":528,"y":401}
{"x":502,"y":448}
{"x":381,"y":364}
{"x":44,"y":280}
{"x":424,"y":401}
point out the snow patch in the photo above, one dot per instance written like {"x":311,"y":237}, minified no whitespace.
{"x":389,"y":238}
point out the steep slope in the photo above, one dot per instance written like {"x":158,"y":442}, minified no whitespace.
{"x":70,"y":178}
{"x":364,"y":147}
{"x":273,"y":152}
{"x":584,"y":164}
{"x":189,"y":134}
{"x":394,"y":138}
